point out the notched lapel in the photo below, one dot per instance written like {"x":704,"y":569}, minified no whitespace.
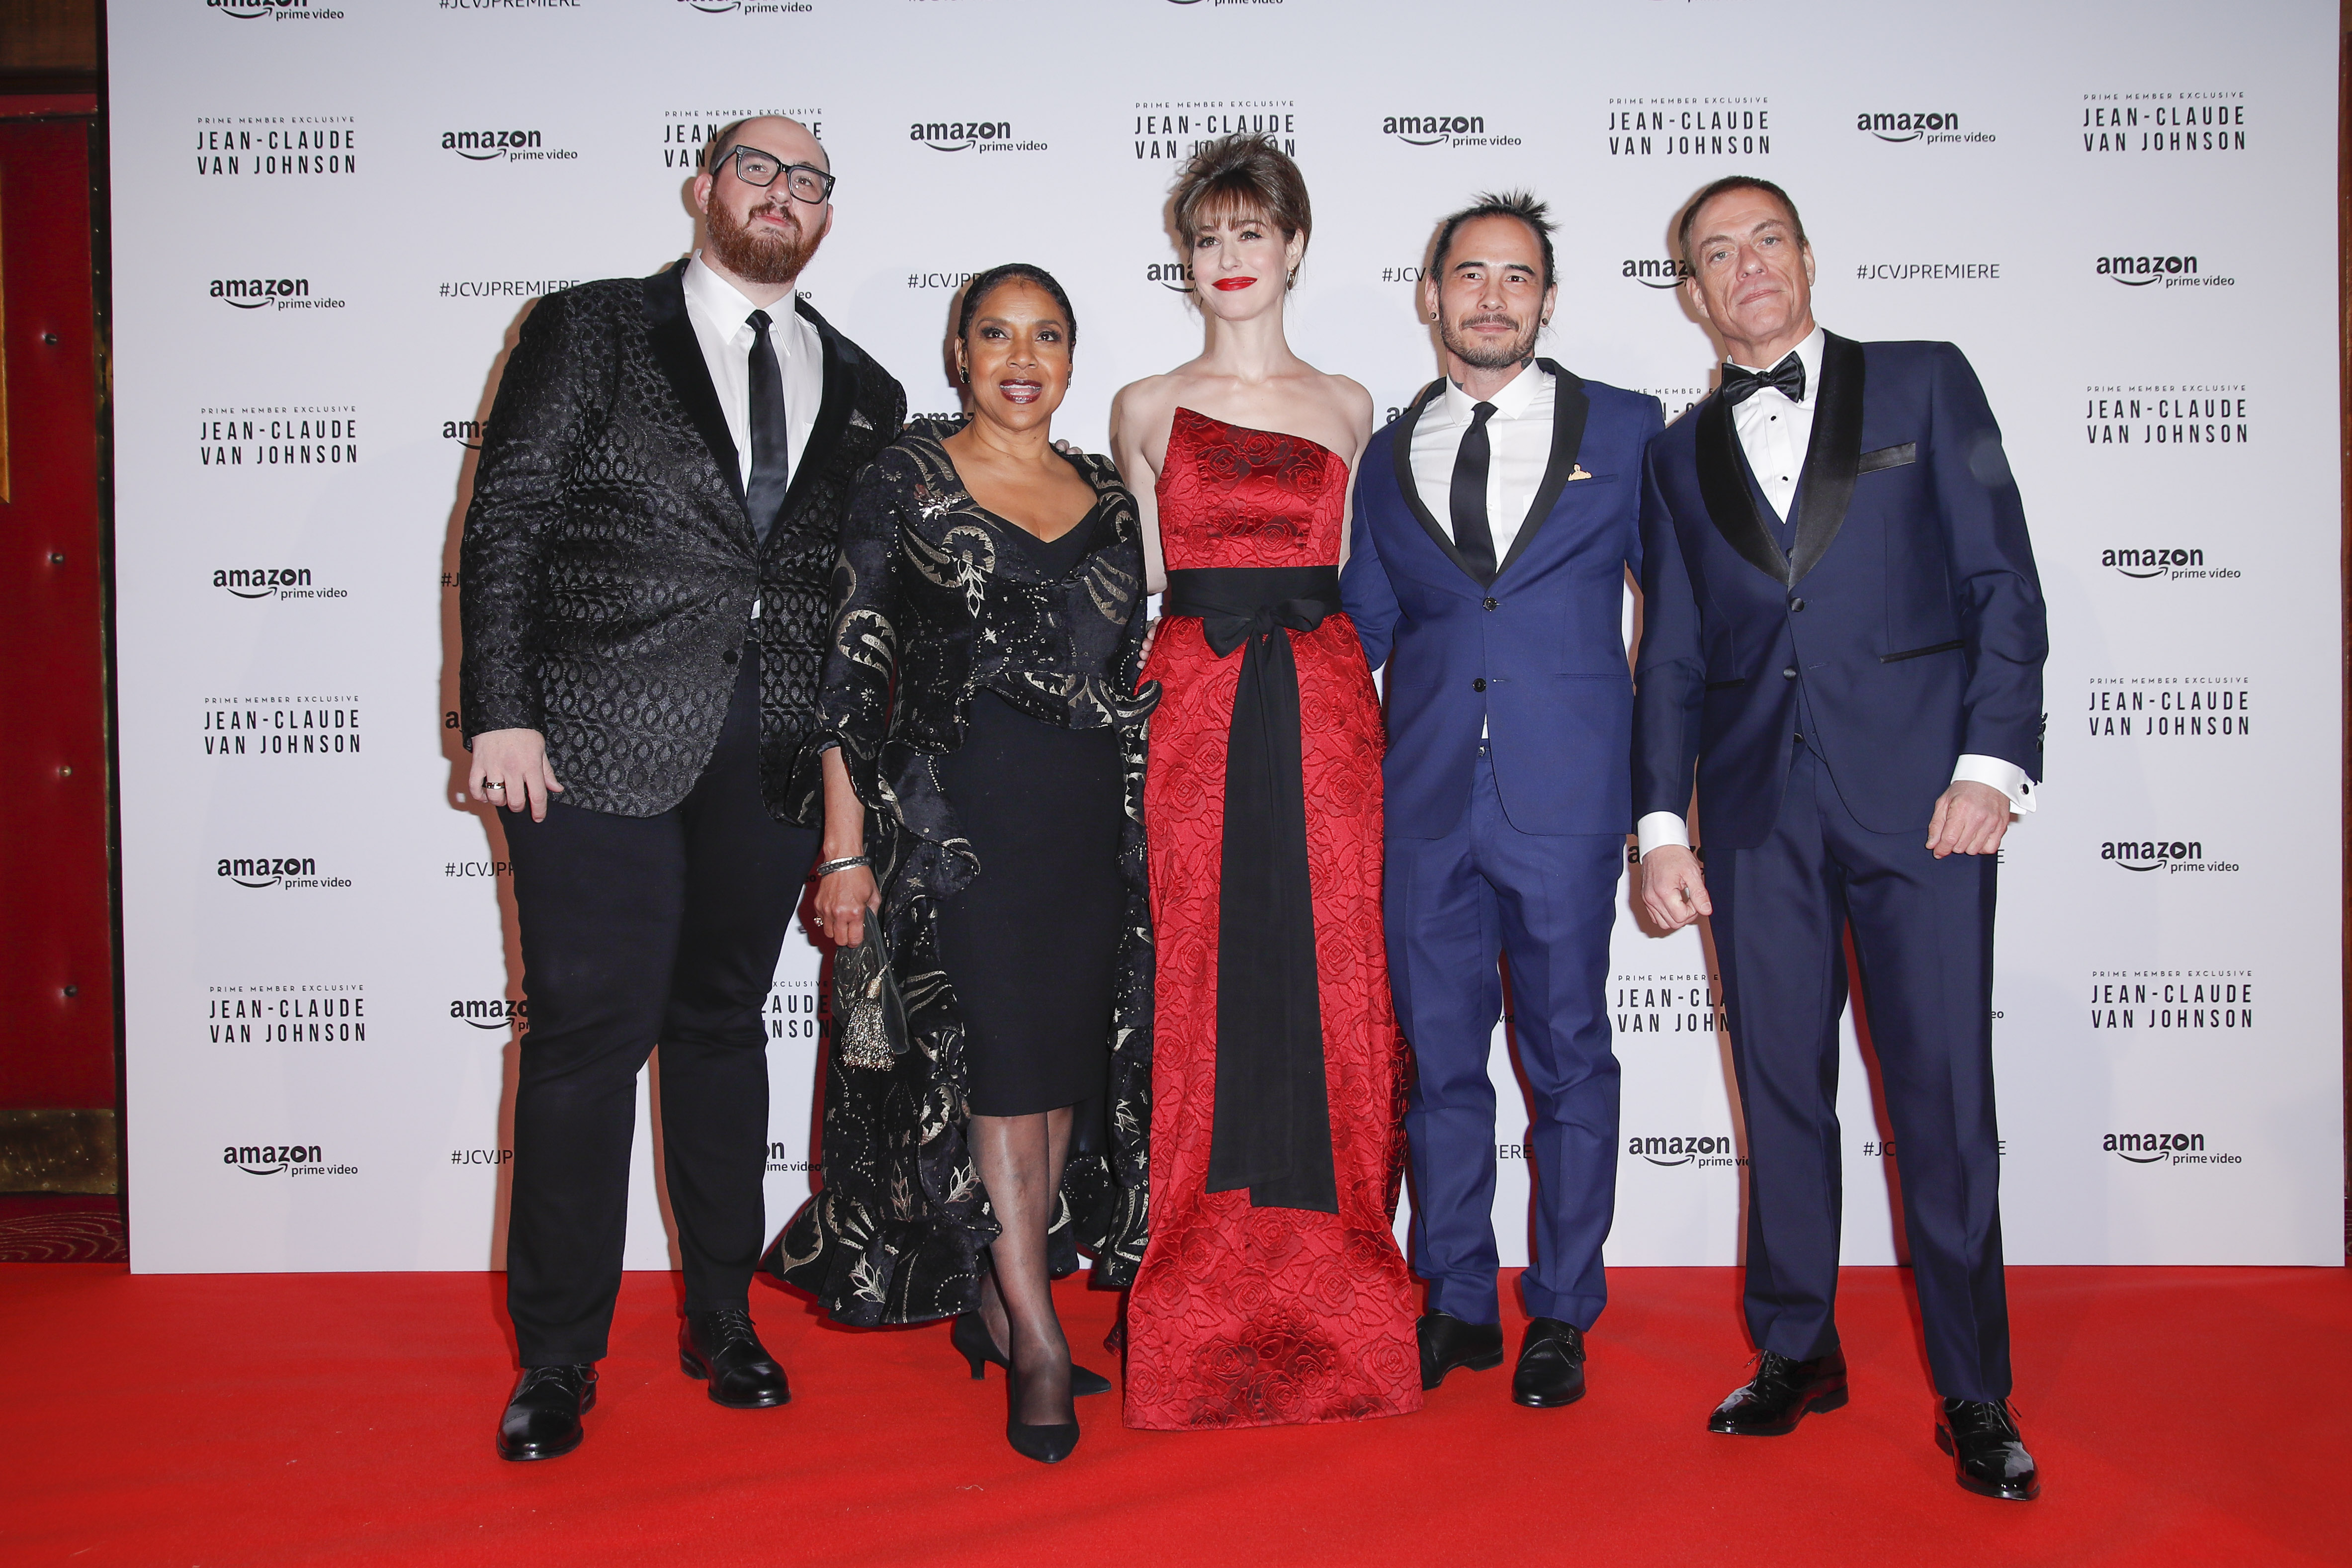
{"x":1569,"y":410}
{"x":1723,"y":485}
{"x":679,"y":355}
{"x":1832,"y":458}
{"x":1401,"y":456}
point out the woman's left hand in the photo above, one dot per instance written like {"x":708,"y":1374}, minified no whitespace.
{"x":843,"y":898}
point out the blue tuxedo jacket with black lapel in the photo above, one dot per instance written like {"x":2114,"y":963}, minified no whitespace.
{"x":1537,"y":657}
{"x":1905,"y":603}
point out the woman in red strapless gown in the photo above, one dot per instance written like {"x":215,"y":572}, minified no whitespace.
{"x":1271,"y":1288}
{"x":1241,"y":1315}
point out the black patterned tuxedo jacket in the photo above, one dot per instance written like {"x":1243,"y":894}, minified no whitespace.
{"x":609,"y":565}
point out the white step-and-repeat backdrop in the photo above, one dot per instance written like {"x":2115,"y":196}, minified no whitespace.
{"x":331,"y":214}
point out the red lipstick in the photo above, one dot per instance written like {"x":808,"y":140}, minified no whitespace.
{"x":1230,"y":285}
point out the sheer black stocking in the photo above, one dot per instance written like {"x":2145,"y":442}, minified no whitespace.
{"x":1020,"y":1159}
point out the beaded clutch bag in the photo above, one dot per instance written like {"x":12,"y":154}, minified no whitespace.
{"x":869,"y":1020}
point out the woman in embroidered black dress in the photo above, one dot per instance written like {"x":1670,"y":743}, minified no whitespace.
{"x":975,"y":740}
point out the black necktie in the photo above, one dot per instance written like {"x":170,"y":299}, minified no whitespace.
{"x":1472,"y":537}
{"x":1740,"y":384}
{"x":771,"y":447}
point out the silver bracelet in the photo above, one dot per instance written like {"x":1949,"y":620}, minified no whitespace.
{"x":843,"y":864}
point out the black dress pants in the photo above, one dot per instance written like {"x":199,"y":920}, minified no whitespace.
{"x":1923,"y":932}
{"x":638,"y":931}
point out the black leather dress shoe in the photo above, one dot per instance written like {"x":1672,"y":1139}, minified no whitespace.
{"x":1446,"y":1343}
{"x":1782,"y":1392}
{"x":1552,"y":1365}
{"x":542,"y":1418}
{"x":720,"y":1348}
{"x":1988,"y":1452}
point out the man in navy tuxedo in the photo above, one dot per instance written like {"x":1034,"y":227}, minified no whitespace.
{"x":1842,"y":633}
{"x":1494,"y":521}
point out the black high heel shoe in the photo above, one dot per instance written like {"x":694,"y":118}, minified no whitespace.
{"x":970,"y":1338}
{"x":1048,"y":1445}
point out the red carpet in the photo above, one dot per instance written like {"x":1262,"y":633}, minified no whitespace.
{"x":2180,"y":1416}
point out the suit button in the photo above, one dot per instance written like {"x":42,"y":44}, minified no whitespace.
{"x":729,"y":657}
{"x":1796,"y":606}
{"x":1789,"y":673}
{"x":1489,"y":603}
{"x":1479,"y":684}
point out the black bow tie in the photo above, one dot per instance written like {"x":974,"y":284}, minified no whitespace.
{"x":1740,"y":383}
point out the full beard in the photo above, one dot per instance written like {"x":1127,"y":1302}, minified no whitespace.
{"x":1489,"y":355}
{"x":774,"y":260}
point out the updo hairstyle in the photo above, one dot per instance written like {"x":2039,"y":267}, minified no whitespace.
{"x":985,"y":283}
{"x":1242,"y":173}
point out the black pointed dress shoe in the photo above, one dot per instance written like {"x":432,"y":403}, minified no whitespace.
{"x":1446,"y":1343}
{"x":977,"y":1347}
{"x":1552,"y":1365}
{"x":1049,"y":1443}
{"x":722,"y":1348}
{"x":1988,"y":1455}
{"x":542,"y":1418}
{"x":1782,"y":1392}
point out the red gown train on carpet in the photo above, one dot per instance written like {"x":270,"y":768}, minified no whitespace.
{"x":1243,"y":1316}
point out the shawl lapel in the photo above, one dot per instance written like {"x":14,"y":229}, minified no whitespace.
{"x":831,"y":415}
{"x":1401,"y":456}
{"x":1824,"y":485}
{"x":679,"y":355}
{"x":1569,"y":409}
{"x":1723,"y":485}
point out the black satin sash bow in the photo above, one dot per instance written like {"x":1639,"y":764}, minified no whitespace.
{"x":1271,"y":1131}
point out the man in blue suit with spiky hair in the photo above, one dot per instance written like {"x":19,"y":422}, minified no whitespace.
{"x":1496,"y":520}
{"x":1843,"y":638}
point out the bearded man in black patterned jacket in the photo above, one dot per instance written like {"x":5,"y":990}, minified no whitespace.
{"x":644,"y":586}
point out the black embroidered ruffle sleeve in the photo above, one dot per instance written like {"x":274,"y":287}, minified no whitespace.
{"x":932,"y":602}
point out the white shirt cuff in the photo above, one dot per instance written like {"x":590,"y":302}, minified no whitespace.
{"x":2003,"y":775}
{"x":1661,"y":827}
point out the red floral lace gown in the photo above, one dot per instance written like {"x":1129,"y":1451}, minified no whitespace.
{"x":1243,"y":1316}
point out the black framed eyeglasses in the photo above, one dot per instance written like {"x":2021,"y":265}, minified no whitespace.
{"x":806,"y":182}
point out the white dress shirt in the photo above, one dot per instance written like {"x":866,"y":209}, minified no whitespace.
{"x":1775,"y":433}
{"x":1519,"y":450}
{"x":719,"y":313}
{"x":1519,"y":443}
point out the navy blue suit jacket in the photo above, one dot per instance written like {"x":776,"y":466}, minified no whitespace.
{"x":1906,"y":604}
{"x":1537,"y":657}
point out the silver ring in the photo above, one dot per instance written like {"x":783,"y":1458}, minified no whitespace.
{"x":493,"y":783}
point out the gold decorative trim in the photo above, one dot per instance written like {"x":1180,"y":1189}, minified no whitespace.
{"x":60,"y":1152}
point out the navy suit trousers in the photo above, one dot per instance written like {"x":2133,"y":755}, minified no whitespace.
{"x":1547,"y":902}
{"x":1922,"y":936}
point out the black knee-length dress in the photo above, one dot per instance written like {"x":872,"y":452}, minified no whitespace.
{"x":1031,"y":945}
{"x":981,"y":688}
